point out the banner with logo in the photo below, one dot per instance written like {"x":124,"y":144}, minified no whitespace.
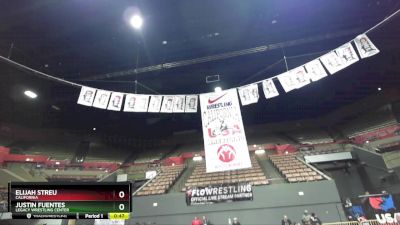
{"x":365,"y":46}
{"x":116,"y":101}
{"x":269,"y":89}
{"x":223,"y":132}
{"x":101,"y":99}
{"x":191,"y":103}
{"x":219,"y":193}
{"x":86,"y":96}
{"x":248,"y":94}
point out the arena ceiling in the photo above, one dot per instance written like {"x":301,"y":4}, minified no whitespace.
{"x":83,"y":40}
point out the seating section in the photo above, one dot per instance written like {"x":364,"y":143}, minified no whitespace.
{"x":3,"y":198}
{"x":293,"y":169}
{"x":163,"y":181}
{"x":200,"y":178}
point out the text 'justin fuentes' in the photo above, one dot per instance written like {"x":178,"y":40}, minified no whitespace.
{"x":35,"y":192}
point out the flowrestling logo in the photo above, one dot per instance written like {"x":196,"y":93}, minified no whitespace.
{"x":226,"y":153}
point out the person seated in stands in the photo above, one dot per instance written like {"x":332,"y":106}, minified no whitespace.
{"x":197,"y":221}
{"x":306,"y":219}
{"x":315,"y":219}
{"x":235,"y":221}
{"x":286,"y":220}
{"x":206,"y":221}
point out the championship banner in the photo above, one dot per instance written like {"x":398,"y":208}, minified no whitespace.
{"x":300,"y":76}
{"x":155,"y":103}
{"x":101,"y":99}
{"x":191,"y":103}
{"x":287,"y":81}
{"x":248,"y":94}
{"x":347,"y":53}
{"x":315,"y":70}
{"x":365,"y":47}
{"x":332,"y":62}
{"x":223,"y":132}
{"x":179,"y":104}
{"x":167,"y":104}
{"x":116,"y":101}
{"x":86,"y":96}
{"x":136,"y":103}
{"x":218,"y":194}
{"x":269,"y":89}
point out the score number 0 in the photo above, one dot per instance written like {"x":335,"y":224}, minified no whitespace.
{"x":121,"y":206}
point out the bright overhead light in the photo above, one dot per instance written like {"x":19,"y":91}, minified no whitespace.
{"x":260,"y":151}
{"x":379,"y":89}
{"x":30,"y":94}
{"x":197,"y":158}
{"x":94,"y":128}
{"x":217,"y":89}
{"x":136,"y":21}
{"x":165,"y":42}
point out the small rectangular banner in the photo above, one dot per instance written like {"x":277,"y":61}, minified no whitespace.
{"x":116,"y":101}
{"x":248,"y":94}
{"x":365,"y":47}
{"x":300,"y":76}
{"x":223,"y":132}
{"x":332,"y":62}
{"x":86,"y":97}
{"x":136,"y":103}
{"x":269,"y":89}
{"x":287,"y":81}
{"x":167,"y":104}
{"x":315,"y":70}
{"x":191,"y":103}
{"x":347,"y":53}
{"x":101,"y":99}
{"x":179,"y":104}
{"x":219,"y":193}
{"x":155,"y":103}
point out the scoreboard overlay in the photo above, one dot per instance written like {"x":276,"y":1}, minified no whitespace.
{"x":29,"y":200}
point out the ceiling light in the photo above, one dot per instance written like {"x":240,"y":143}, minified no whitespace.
{"x":164,"y":42}
{"x":197,"y":158}
{"x":217,"y":89}
{"x":94,"y":128}
{"x":136,"y":21}
{"x":30,"y":94}
{"x":260,"y":151}
{"x":379,"y":89}
{"x":254,"y":146}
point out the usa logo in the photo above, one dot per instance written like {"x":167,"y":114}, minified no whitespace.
{"x":226,"y":153}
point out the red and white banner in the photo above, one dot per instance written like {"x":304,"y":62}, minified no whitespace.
{"x":225,"y":142}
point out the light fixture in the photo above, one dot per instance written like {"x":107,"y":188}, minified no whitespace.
{"x":30,"y":94}
{"x":260,"y":151}
{"x":165,"y":42}
{"x":254,"y":146}
{"x":217,"y":89}
{"x":94,"y":128}
{"x":197,"y":158}
{"x":57,"y":163}
{"x":367,"y":142}
{"x":379,"y":89}
{"x":57,"y":170}
{"x":136,"y":21}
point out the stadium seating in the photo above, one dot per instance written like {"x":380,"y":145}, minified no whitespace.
{"x":163,"y":181}
{"x":293,"y":169}
{"x":200,"y":178}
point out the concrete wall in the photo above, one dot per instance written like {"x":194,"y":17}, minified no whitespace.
{"x":270,"y":203}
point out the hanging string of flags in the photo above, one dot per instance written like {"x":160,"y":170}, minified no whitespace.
{"x":331,"y":62}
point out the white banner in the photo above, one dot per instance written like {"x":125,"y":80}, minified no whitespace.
{"x":223,"y":132}
{"x":269,"y":89}
{"x":167,"y":104}
{"x":332,"y":62}
{"x":179,"y":104}
{"x":300,"y":76}
{"x":365,"y":47}
{"x":248,"y":94}
{"x":116,"y":101}
{"x":101,"y":99}
{"x":136,"y":103}
{"x":347,"y":53}
{"x":86,"y":96}
{"x":315,"y":70}
{"x":287,"y":81}
{"x":191,"y":104}
{"x":155,"y":103}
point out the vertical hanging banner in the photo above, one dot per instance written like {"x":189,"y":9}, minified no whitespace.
{"x":191,"y":104}
{"x":300,"y":76}
{"x":115,"y":101}
{"x":167,"y":104}
{"x":155,"y":103}
{"x":248,"y":94}
{"x":223,"y":132}
{"x":287,"y":81}
{"x":347,"y":53}
{"x":269,"y":89}
{"x":136,"y":103}
{"x":365,"y":47}
{"x":179,"y":104}
{"x":332,"y":62}
{"x":101,"y":99}
{"x":315,"y":70}
{"x":86,"y":96}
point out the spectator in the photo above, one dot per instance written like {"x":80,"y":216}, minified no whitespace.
{"x":286,"y":220}
{"x":235,"y":221}
{"x":315,"y":220}
{"x":197,"y":221}
{"x":306,"y":219}
{"x":206,"y":221}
